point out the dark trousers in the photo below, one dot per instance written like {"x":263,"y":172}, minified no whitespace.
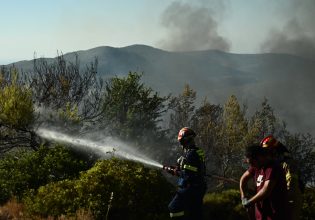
{"x":189,"y":202}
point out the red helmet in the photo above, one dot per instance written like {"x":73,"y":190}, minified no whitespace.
{"x":185,"y":134}
{"x":269,"y":141}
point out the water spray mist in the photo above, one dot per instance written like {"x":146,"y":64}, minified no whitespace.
{"x":118,"y":149}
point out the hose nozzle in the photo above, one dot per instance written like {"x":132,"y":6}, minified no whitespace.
{"x":170,"y":169}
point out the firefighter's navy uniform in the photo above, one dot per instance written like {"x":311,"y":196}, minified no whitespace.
{"x":187,"y":203}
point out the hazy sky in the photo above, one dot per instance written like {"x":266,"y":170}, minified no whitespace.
{"x":239,"y":26}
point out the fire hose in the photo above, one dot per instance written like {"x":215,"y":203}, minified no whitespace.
{"x":173,"y":170}
{"x":231,"y":180}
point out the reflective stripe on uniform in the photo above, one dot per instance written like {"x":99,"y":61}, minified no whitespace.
{"x":290,"y":177}
{"x":177,"y":214}
{"x":191,"y":168}
{"x":201,"y":154}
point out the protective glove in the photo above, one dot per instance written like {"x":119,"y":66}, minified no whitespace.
{"x":245,"y":202}
{"x":171,"y":170}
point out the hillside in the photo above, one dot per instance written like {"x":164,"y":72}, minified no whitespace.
{"x":286,"y":80}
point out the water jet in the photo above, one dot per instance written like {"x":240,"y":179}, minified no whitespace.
{"x":116,"y":148}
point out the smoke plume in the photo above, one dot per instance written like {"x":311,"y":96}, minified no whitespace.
{"x":192,"y":27}
{"x":293,"y":94}
{"x":297,"y":36}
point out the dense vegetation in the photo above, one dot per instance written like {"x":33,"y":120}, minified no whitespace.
{"x":52,"y":179}
{"x":132,"y":185}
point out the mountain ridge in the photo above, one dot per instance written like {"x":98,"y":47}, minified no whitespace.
{"x":286,"y":80}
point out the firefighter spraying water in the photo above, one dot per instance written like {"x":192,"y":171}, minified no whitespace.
{"x":104,"y":149}
{"x":190,"y":170}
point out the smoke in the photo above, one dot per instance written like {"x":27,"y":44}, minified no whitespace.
{"x":297,"y":36}
{"x":193,"y":26}
{"x":292,"y":94}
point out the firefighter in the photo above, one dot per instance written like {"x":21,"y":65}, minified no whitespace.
{"x":188,"y":200}
{"x":271,"y":194}
{"x":293,"y":181}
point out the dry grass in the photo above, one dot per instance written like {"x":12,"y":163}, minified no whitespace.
{"x":13,"y":210}
{"x":80,"y":215}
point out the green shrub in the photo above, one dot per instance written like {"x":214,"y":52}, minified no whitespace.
{"x":139,"y":192}
{"x":224,"y":205}
{"x":58,"y":197}
{"x":16,"y":104}
{"x":24,"y":170}
{"x":308,"y":207}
